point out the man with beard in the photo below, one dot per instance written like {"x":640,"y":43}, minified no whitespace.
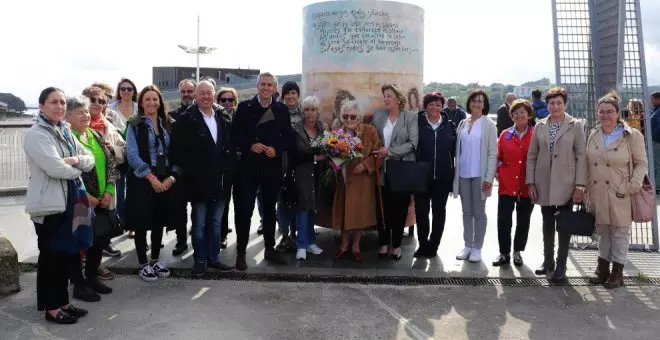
{"x":186,"y":95}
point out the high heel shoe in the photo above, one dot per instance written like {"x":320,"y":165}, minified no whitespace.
{"x":340,"y":254}
{"x":357,"y":256}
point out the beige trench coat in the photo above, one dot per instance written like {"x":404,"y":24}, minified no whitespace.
{"x":610,"y":181}
{"x":556,"y":175}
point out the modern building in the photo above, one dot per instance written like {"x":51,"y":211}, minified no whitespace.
{"x":168,"y":77}
{"x":599,"y":47}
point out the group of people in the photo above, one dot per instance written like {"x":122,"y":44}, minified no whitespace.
{"x":90,"y":159}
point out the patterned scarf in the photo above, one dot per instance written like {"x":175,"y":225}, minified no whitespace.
{"x":97,"y":123}
{"x":75,"y":233}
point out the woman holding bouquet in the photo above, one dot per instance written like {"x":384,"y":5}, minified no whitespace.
{"x":353,"y":207}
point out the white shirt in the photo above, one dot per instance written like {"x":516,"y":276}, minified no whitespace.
{"x":387,"y":131}
{"x":470,"y":153}
{"x":435,"y":125}
{"x":211,"y":124}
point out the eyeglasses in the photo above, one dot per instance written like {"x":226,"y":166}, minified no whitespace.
{"x":126,"y":89}
{"x":349,"y":117}
{"x":98,"y":101}
{"x":225,"y":100}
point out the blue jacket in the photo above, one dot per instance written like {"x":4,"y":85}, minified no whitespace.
{"x":540,"y":109}
{"x":655,"y":124}
{"x":438,"y":147}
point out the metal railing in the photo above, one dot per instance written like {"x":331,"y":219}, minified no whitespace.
{"x":13,"y":162}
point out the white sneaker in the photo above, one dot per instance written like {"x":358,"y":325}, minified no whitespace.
{"x":314,"y":249}
{"x":160,"y":269}
{"x":301,"y":254}
{"x":147,"y":273}
{"x":475,"y":256}
{"x":464,"y":254}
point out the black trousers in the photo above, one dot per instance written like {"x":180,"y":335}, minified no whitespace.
{"x":93,"y":256}
{"x":395,"y":205}
{"x":505,"y":206}
{"x":225,"y":214}
{"x":434,"y":200}
{"x":162,"y":216}
{"x":265,"y":176}
{"x":180,"y":214}
{"x":53,"y":267}
{"x":549,"y":228}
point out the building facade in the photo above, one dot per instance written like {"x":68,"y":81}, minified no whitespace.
{"x":599,"y":47}
{"x":168,"y":77}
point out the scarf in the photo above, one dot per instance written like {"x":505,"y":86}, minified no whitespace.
{"x":97,"y":123}
{"x":75,"y":233}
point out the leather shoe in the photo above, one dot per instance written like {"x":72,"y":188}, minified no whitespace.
{"x":75,"y":311}
{"x":98,"y":286}
{"x":220,"y":266}
{"x":275,"y":257}
{"x":179,"y":249}
{"x":62,"y":318}
{"x":84,"y":293}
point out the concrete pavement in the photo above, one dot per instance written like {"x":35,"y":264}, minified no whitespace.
{"x":201,"y":309}
{"x":16,"y":226}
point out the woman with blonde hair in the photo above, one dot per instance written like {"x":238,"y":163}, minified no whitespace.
{"x":617,"y":165}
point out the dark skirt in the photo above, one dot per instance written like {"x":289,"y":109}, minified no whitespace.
{"x":146,"y":208}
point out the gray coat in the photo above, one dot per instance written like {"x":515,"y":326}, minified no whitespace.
{"x":405,"y":135}
{"x":307,"y":174}
{"x":46,"y":148}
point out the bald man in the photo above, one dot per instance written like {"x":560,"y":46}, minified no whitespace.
{"x":504,"y":120}
{"x":201,"y":147}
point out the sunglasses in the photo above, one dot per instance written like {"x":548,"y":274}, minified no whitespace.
{"x":349,"y":117}
{"x":126,"y":89}
{"x":98,"y":101}
{"x":225,"y":100}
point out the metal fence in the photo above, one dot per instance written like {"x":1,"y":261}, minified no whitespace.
{"x":13,"y":162}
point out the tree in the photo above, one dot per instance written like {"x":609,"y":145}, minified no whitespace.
{"x":13,"y":102}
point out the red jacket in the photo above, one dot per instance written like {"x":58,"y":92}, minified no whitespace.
{"x":512,"y":162}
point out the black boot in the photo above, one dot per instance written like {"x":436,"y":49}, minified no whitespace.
{"x":602,"y":272}
{"x":559,"y":276}
{"x":616,"y":278}
{"x":545,"y":268}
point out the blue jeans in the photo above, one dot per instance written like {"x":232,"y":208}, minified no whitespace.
{"x":306,"y":236}
{"x":286,"y":218}
{"x":206,"y":226}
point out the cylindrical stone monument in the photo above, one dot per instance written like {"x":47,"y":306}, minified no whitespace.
{"x":352,"y":48}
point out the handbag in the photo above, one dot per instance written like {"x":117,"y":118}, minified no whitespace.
{"x":643,"y":201}
{"x":105,"y":224}
{"x":575,"y":220}
{"x":407,"y":176}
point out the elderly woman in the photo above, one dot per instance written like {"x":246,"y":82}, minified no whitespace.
{"x":228,"y":98}
{"x":57,"y":204}
{"x":611,"y":148}
{"x":100,"y":185}
{"x":307,"y":172}
{"x":98,"y":105}
{"x":113,"y":116}
{"x":476,"y":147}
{"x":512,"y":148}
{"x":437,"y":146}
{"x":150,"y":179}
{"x":556,"y":175}
{"x":398,"y":130}
{"x":353,"y":207}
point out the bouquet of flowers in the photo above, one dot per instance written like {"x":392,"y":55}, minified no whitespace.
{"x":339,"y":147}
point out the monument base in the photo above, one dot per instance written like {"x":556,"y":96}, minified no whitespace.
{"x":9,"y":272}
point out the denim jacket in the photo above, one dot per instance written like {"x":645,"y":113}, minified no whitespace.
{"x":142,"y":169}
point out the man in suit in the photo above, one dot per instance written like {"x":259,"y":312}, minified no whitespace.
{"x":202,"y":147}
{"x":262,"y":133}
{"x":504,"y":120}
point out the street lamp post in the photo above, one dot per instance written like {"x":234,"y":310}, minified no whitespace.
{"x":198,"y":50}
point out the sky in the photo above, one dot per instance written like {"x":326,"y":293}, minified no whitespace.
{"x":72,"y":43}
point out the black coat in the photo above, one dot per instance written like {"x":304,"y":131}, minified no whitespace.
{"x":438,"y":147}
{"x":203,"y":162}
{"x":504,"y":120}
{"x":247,"y":130}
{"x":176,"y":114}
{"x":307,"y":174}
